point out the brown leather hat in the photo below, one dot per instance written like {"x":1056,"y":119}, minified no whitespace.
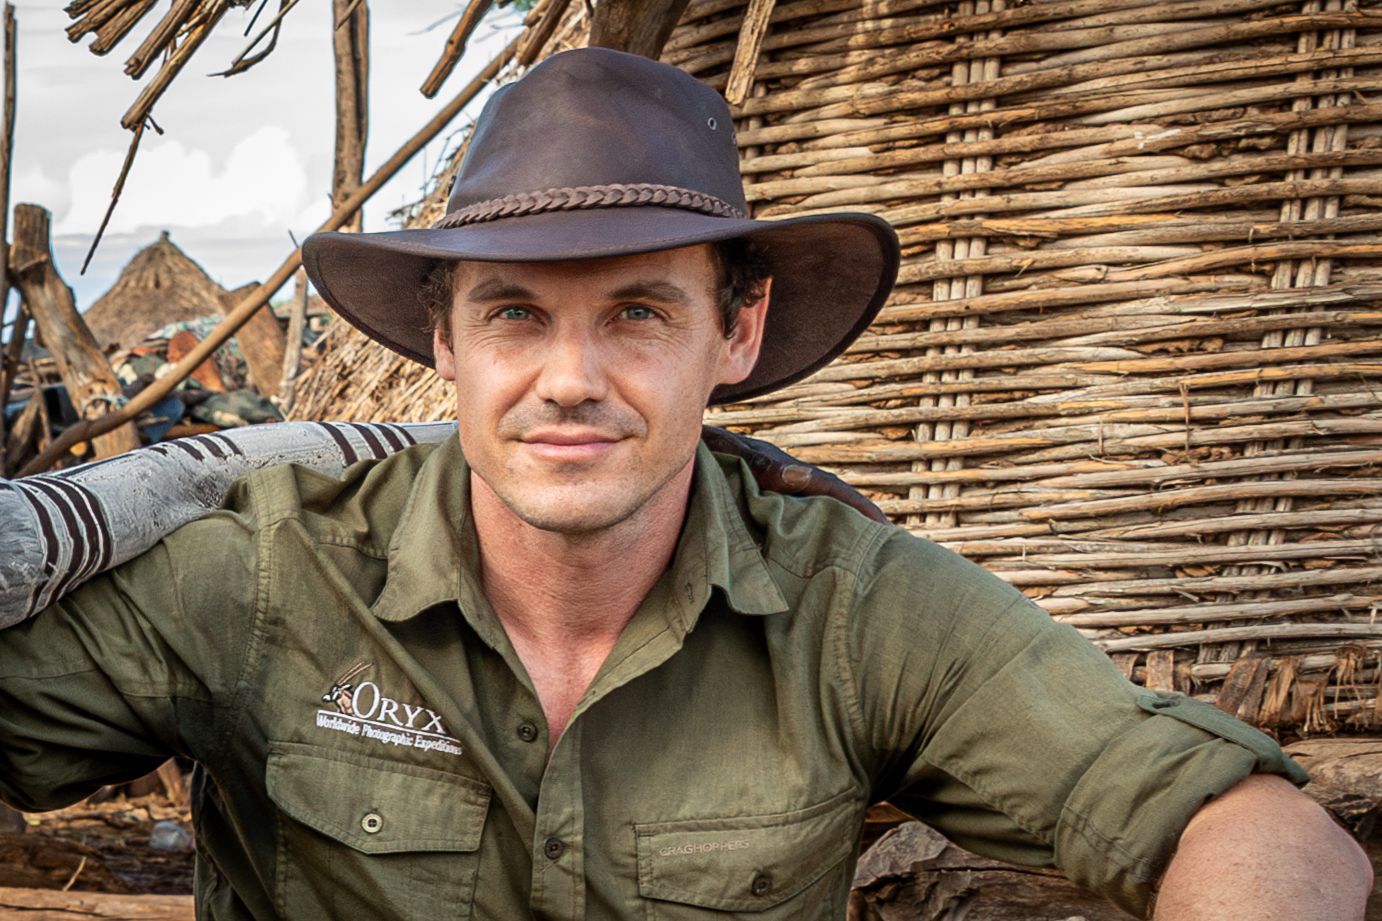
{"x":598,"y":153}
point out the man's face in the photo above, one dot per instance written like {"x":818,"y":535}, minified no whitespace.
{"x":580,"y":385}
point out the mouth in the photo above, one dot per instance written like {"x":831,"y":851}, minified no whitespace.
{"x":569,"y":445}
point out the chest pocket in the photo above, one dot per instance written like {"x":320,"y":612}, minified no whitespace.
{"x":767,"y":867}
{"x":359,"y":837}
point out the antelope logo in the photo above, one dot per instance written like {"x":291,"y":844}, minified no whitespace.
{"x":342,"y":692}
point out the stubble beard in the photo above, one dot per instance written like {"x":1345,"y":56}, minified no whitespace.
{"x":568,"y":508}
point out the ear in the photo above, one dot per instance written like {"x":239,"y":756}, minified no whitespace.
{"x":741,"y":350}
{"x":445,"y":358}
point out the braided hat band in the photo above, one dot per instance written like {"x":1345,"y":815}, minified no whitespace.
{"x":616,"y":195}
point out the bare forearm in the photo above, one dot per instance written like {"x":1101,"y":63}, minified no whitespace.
{"x":1264,"y":851}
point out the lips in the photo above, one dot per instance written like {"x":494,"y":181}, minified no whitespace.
{"x":568,"y":437}
{"x":569,"y":446}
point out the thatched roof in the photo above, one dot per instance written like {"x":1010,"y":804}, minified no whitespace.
{"x":161,"y":285}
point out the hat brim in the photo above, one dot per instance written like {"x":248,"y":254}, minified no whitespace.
{"x":831,"y":274}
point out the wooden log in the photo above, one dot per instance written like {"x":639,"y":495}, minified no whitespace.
{"x":56,"y":905}
{"x":636,"y":26}
{"x":914,"y":873}
{"x":89,"y":379}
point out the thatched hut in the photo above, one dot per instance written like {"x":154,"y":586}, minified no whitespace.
{"x":159,"y":286}
{"x":1129,"y":363}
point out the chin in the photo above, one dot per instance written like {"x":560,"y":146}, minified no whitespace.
{"x":571,"y":519}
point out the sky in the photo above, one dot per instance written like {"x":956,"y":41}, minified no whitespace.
{"x":244,"y":161}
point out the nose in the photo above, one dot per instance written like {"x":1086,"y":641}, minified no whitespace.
{"x":572,"y":369}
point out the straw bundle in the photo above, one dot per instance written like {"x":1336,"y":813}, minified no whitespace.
{"x":1129,"y":363}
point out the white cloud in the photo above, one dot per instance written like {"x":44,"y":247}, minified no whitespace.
{"x":32,"y":184}
{"x":260,"y":180}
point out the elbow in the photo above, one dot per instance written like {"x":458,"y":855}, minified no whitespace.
{"x":1264,"y":849}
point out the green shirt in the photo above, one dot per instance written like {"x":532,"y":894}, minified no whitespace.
{"x":371,"y":746}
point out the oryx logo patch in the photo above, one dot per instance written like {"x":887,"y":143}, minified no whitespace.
{"x":361,"y":708}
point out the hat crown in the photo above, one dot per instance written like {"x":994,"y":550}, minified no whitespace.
{"x":595,"y":117}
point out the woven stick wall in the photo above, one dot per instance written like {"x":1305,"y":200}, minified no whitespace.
{"x":1132,"y":362}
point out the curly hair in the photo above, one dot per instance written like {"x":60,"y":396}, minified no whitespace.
{"x":741,"y":268}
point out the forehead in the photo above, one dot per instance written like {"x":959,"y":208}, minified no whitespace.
{"x":691,"y":268}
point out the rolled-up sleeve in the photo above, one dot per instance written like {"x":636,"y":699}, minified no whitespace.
{"x":1016,"y":738}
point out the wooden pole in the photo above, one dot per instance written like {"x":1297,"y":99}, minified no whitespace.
{"x":750,"y":45}
{"x":350,"y":47}
{"x":260,"y":296}
{"x":6,"y":158}
{"x":636,"y":26}
{"x":292,"y":355}
{"x":81,"y":365}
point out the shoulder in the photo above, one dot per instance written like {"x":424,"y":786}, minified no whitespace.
{"x":361,"y":506}
{"x":811,"y":535}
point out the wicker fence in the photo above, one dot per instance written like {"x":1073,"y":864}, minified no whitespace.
{"x":1131,"y":364}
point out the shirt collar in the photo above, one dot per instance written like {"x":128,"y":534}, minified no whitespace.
{"x":434,"y":558}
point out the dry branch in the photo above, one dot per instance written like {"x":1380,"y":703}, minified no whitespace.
{"x":455,"y":45}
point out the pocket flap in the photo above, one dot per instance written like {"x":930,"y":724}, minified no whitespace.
{"x":747,"y":863}
{"x":376,"y":806}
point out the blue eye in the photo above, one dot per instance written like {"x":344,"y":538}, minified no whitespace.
{"x":514,"y":313}
{"x":639,"y":312}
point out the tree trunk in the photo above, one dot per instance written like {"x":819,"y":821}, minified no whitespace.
{"x":80,"y":363}
{"x":350,"y":44}
{"x":635,"y":26}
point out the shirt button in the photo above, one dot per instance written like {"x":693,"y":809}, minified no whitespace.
{"x":554,"y":848}
{"x":372,"y":822}
{"x":762,"y":882}
{"x":527,"y":732}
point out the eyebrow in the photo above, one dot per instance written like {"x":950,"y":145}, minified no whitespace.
{"x":498,"y":289}
{"x":663,"y":291}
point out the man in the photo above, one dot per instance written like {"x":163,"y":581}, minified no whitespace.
{"x":572,"y":664}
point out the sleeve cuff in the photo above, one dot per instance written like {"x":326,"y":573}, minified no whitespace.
{"x":1122,"y":821}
